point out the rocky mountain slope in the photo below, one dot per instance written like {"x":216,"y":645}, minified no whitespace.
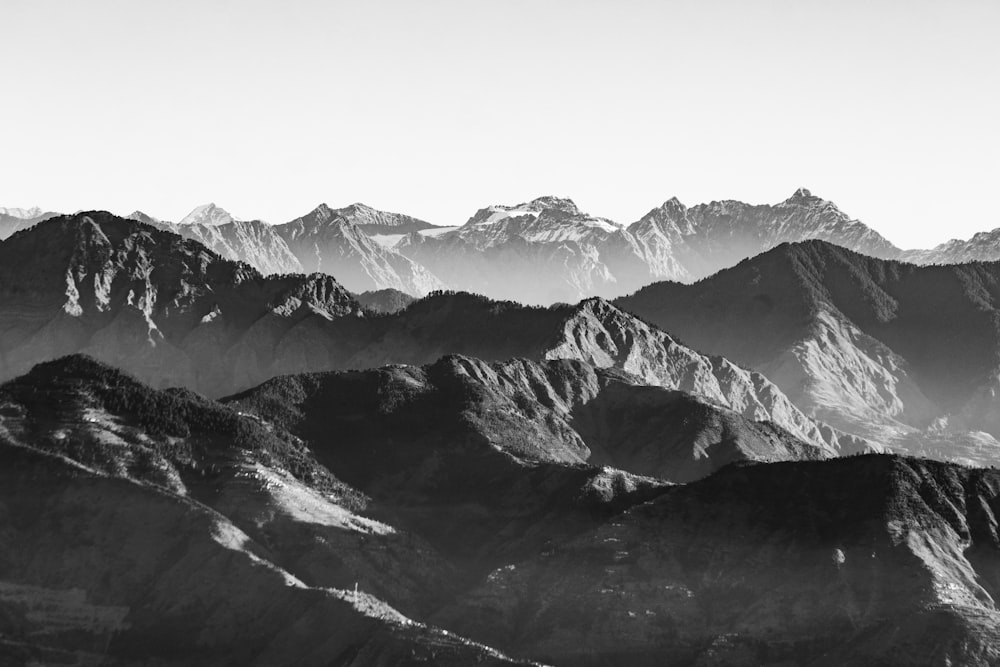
{"x":547,"y":250}
{"x":348,"y":518}
{"x":332,"y":241}
{"x":558,"y":411}
{"x":161,"y":306}
{"x":252,"y":241}
{"x":173,"y":312}
{"x":886,"y":349}
{"x":708,"y":237}
{"x":859,"y":561}
{"x":543,"y":251}
{"x":374,"y":222}
{"x":328,"y":241}
{"x":145,"y":525}
{"x":539,"y":252}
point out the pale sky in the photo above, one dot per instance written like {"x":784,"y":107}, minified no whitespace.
{"x":437,"y":108}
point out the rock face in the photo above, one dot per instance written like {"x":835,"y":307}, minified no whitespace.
{"x":165,"y":308}
{"x":252,"y":241}
{"x":859,"y":561}
{"x":543,"y":251}
{"x":374,"y":222}
{"x":892,"y":351}
{"x":332,"y":241}
{"x":159,"y":526}
{"x":708,"y":237}
{"x":326,"y":241}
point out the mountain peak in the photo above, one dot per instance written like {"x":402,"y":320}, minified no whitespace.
{"x":550,"y":202}
{"x":207,"y":214}
{"x":673,"y":207}
{"x":358,"y":206}
{"x":801,"y":193}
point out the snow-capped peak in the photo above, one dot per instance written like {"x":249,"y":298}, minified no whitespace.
{"x":802,"y":193}
{"x":21,"y":213}
{"x":207,"y":214}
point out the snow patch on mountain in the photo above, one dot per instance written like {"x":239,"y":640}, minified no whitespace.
{"x":207,"y":214}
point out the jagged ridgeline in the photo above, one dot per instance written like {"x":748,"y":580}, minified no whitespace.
{"x":176,"y":314}
{"x":540,"y":252}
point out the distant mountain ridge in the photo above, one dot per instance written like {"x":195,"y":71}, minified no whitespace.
{"x":173,"y":312}
{"x":893,"y":351}
{"x":541,"y":251}
{"x":709,"y":237}
{"x":326,"y":240}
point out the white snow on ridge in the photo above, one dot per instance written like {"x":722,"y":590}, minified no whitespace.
{"x":437,"y":231}
{"x":22,"y":213}
{"x":387,"y":240}
{"x":504,"y":213}
{"x":207,"y":214}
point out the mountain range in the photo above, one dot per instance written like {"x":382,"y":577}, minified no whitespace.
{"x":230,"y":442}
{"x":539,"y":252}
{"x":906,"y":355}
{"x":174,"y":313}
{"x":387,"y":517}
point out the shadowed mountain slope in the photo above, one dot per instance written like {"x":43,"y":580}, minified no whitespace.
{"x":174,"y":313}
{"x":557,"y":411}
{"x":872,"y":346}
{"x":15,"y":219}
{"x":858,"y":561}
{"x":146,"y":525}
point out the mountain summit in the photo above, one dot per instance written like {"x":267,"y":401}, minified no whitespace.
{"x":207,"y":214}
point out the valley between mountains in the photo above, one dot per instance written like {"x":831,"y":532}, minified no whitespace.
{"x":722,"y":435}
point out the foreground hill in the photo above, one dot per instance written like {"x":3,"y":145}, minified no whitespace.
{"x":174,"y":313}
{"x":142,"y":525}
{"x":859,"y":561}
{"x":558,"y":411}
{"x":15,"y":219}
{"x":327,"y":518}
{"x":881,"y":348}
